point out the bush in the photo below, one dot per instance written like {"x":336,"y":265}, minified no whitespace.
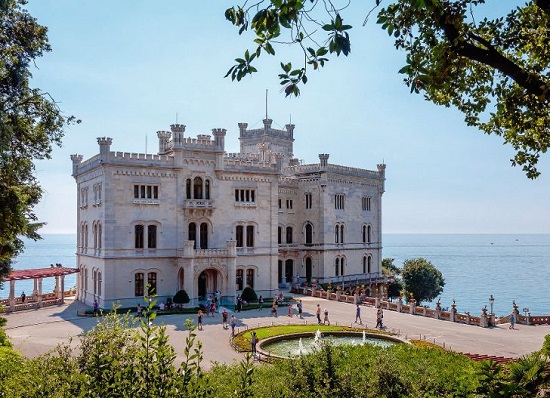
{"x":249,"y":295}
{"x":3,"y":321}
{"x":181,"y":297}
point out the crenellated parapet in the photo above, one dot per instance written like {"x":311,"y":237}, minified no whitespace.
{"x":177,"y":133}
{"x":164,"y":139}
{"x":104,"y":147}
{"x":77,"y":160}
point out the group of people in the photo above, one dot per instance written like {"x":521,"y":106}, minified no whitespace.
{"x":226,"y":320}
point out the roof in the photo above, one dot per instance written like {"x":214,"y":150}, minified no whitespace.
{"x":22,"y":274}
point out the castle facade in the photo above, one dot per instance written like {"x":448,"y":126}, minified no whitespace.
{"x":197,"y":218}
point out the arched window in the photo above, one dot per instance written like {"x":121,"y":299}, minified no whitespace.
{"x":94,"y":281}
{"x":341,"y":234}
{"x":239,"y":280}
{"x":138,"y":235}
{"x":188,"y":188}
{"x":309,"y":234}
{"x":239,"y":232}
{"x":336,"y":233}
{"x":250,"y":278}
{"x":138,"y":284}
{"x":364,"y":234}
{"x":369,"y":263}
{"x":289,"y":270}
{"x":197,"y":188}
{"x":152,"y":282}
{"x":250,"y":236}
{"x":364,"y":264}
{"x":337,"y":266}
{"x":288,"y":234}
{"x":279,"y":235}
{"x":204,"y":235}
{"x":342,"y":262}
{"x":99,"y":280}
{"x":369,"y":234}
{"x":152,"y":236}
{"x":309,"y":270}
{"x":192,"y":235}
{"x":86,"y":280}
{"x":207,"y":189}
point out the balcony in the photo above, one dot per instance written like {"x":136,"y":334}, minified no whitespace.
{"x":198,"y":207}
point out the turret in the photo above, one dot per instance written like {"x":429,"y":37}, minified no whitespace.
{"x":267,"y":124}
{"x":77,"y":159}
{"x":242,"y":128}
{"x":164,"y":137}
{"x":323,"y":159}
{"x":177,"y":133}
{"x":104,"y":147}
{"x":290,"y":130}
{"x":219,"y":138}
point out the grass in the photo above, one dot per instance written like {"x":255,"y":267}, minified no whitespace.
{"x":241,"y":342}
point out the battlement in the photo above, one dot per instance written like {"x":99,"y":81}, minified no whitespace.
{"x":148,"y":157}
{"x":331,"y":168}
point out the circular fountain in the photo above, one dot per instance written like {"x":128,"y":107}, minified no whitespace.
{"x":294,"y":345}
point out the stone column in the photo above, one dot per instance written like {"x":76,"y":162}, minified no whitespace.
{"x":468,"y":318}
{"x":483,"y":320}
{"x":62,"y":288}
{"x":39,"y":292}
{"x":11,"y":298}
{"x":453,"y":312}
{"x":231,"y":292}
{"x":412,"y":306}
{"x":399,"y":304}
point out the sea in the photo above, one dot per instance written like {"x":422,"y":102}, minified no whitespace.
{"x":510,"y":267}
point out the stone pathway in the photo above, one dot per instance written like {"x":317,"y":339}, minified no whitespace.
{"x":35,"y":332}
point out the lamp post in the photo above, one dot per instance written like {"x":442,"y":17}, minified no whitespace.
{"x":491,"y":302}
{"x":492,"y":314}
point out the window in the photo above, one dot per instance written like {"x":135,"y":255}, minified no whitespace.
{"x":138,"y":284}
{"x":250,"y":236}
{"x":83,"y":197}
{"x":239,"y":280}
{"x":369,"y":234}
{"x":309,"y":234}
{"x":152,"y":236}
{"x":97,"y":194}
{"x":288,"y":234}
{"x":204,"y":236}
{"x":366,"y":203}
{"x":197,"y":188}
{"x":188,"y":188}
{"x":289,"y":204}
{"x":207,"y":189}
{"x":309,"y":199}
{"x":144,"y":193}
{"x":339,"y":201}
{"x":367,"y":263}
{"x":250,"y":278}
{"x":337,"y":266}
{"x":192,"y":234}
{"x":245,"y":195}
{"x":280,"y":235}
{"x":239,"y":232}
{"x":339,"y":233}
{"x":99,"y":280}
{"x":152,"y":282}
{"x":138,"y":234}
{"x":280,"y":203}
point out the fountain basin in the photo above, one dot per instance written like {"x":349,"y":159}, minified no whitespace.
{"x":296,"y":344}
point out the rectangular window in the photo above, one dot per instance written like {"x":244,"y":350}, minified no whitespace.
{"x":97,"y":194}
{"x":146,"y":193}
{"x":309,"y":199}
{"x":289,"y":204}
{"x":84,"y":197}
{"x":245,"y":195}
{"x":280,"y":203}
{"x":138,"y":284}
{"x":366,"y":203}
{"x":339,"y":201}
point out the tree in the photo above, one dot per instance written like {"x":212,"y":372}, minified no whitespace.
{"x":30,"y":123}
{"x":389,"y":268}
{"x":422,"y":279}
{"x":494,"y":70}
{"x":181,"y":297}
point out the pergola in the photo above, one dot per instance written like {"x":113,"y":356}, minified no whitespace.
{"x":37,"y":274}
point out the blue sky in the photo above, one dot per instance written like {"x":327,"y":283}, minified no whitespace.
{"x":127,"y":68}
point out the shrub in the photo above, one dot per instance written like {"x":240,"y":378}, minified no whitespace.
{"x":181,"y":297}
{"x":249,"y":295}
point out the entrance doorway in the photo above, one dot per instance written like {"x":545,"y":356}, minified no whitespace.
{"x":208,"y":283}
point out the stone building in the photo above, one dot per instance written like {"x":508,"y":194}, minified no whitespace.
{"x":197,"y":218}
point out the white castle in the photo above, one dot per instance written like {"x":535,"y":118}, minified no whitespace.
{"x":197,"y":218}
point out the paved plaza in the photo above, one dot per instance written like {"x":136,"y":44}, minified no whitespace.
{"x":35,"y":332}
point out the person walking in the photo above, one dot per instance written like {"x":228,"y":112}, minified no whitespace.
{"x":299,"y":305}
{"x":318,"y":313}
{"x":260,"y":302}
{"x":274,"y":309}
{"x":512,"y":321}
{"x":358,"y":315}
{"x":326,"y":320}
{"x":253,"y":341}
{"x":379,"y":316}
{"x":239,"y":303}
{"x":199,"y":320}
{"x":23,"y":297}
{"x":224,"y":318}
{"x":96,"y":307}
{"x":233,"y":323}
{"x":289,"y":310}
